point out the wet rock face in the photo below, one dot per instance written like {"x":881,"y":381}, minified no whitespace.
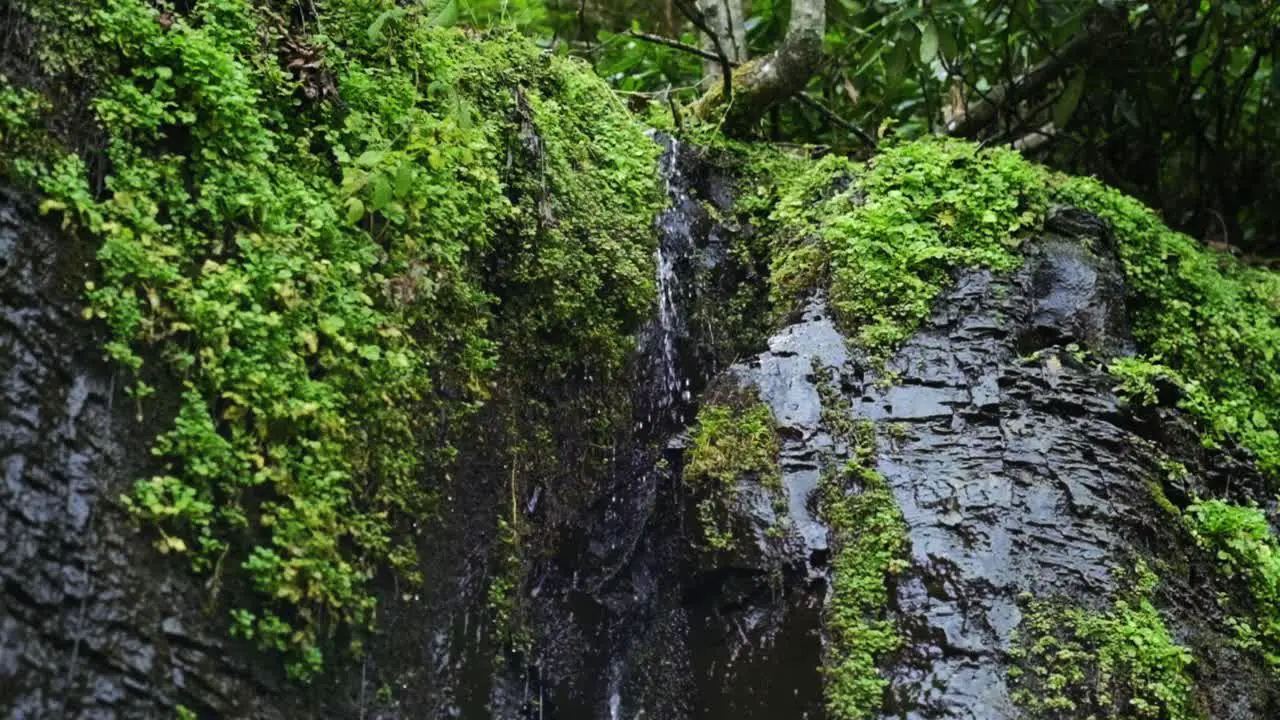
{"x":1076,"y":290}
{"x":1015,"y":465}
{"x":1012,"y":473}
{"x":632,"y":616}
{"x":93,"y":622}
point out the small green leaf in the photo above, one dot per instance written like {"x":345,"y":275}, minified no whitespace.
{"x":1068,"y":101}
{"x":355,"y":210}
{"x":332,"y":325}
{"x":928,"y":42}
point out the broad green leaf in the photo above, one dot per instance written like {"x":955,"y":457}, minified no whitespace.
{"x":448,"y":15}
{"x":928,"y":42}
{"x":369,"y":158}
{"x":404,"y":180}
{"x":381,"y":192}
{"x":375,"y":30}
{"x":947,"y":44}
{"x":355,"y":210}
{"x":896,"y":64}
{"x":1069,"y":100}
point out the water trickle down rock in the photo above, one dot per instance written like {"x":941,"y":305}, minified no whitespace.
{"x":631,"y":621}
{"x":597,"y":598}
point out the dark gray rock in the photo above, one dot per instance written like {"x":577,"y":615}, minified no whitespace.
{"x":1015,"y":465}
{"x":93,"y":622}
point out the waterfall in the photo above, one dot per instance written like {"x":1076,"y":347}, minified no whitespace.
{"x":669,"y":392}
{"x":662,"y":401}
{"x":613,"y":582}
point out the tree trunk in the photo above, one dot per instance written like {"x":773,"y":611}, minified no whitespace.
{"x":762,"y":83}
{"x":725,"y":18}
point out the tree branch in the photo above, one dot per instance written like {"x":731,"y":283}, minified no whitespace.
{"x":700,"y":22}
{"x":982,"y":113}
{"x":801,"y":97}
{"x":672,"y":43}
{"x":1036,"y":138}
{"x":768,"y":80}
{"x":804,"y":99}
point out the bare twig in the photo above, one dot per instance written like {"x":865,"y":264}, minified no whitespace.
{"x":672,"y":43}
{"x":804,"y":99}
{"x":675,"y":111}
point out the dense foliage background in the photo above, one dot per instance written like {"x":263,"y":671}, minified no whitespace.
{"x":1171,"y":100}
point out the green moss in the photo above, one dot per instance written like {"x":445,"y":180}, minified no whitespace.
{"x":1206,"y":322}
{"x":509,"y":628}
{"x":26,"y":143}
{"x":1246,"y":550}
{"x":1120,"y":663}
{"x":333,"y":286}
{"x":884,"y":238}
{"x":1172,"y":474}
{"x":868,"y":536}
{"x":731,"y":441}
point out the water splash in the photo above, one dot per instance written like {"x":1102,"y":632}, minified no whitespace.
{"x":615,"y":706}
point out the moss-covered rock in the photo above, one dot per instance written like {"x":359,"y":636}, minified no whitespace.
{"x":734,"y":441}
{"x":869,"y":545}
{"x":327,"y":236}
{"x":1243,"y":545}
{"x":330,"y":243}
{"x":1118,"y":663}
{"x":882,"y":241}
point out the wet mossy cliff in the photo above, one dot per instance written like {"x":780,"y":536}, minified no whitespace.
{"x":355,"y":365}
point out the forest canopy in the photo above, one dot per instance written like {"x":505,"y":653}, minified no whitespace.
{"x":1171,"y":100}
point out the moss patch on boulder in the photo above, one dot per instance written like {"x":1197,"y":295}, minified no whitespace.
{"x":733,"y":440}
